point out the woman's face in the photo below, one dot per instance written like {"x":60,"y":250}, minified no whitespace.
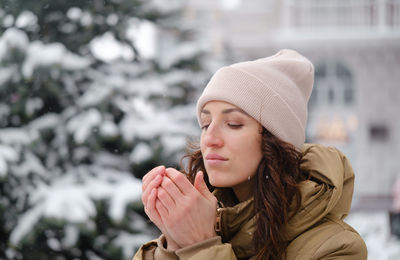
{"x":230,"y":144}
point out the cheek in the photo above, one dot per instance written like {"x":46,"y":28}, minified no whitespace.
{"x":248,"y":152}
{"x":202,"y":146}
{"x":202,"y":149}
{"x":248,"y":144}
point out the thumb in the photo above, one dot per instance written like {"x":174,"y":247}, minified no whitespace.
{"x":201,"y":185}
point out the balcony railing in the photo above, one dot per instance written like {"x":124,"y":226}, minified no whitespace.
{"x":382,"y":15}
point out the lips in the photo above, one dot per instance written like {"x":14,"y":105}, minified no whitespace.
{"x":215,"y":157}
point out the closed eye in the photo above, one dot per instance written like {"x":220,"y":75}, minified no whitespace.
{"x":204,"y":127}
{"x":235,"y":126}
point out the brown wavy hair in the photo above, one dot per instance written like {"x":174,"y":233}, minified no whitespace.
{"x":276,"y":191}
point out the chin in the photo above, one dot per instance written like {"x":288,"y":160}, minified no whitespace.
{"x":214,"y":183}
{"x":219,"y":183}
{"x":220,"y":178}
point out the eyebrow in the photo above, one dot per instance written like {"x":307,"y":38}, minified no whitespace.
{"x":226,"y":111}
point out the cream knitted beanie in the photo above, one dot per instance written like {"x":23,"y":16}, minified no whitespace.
{"x":273,"y":90}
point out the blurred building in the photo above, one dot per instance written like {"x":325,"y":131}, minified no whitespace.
{"x":355,"y":47}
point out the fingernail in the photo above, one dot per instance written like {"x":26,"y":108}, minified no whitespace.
{"x":160,"y":169}
{"x":170,"y":170}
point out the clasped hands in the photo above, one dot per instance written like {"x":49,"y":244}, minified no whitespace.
{"x":183,"y":212}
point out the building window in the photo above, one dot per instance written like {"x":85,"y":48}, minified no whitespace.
{"x":332,"y":119}
{"x":333,"y":86}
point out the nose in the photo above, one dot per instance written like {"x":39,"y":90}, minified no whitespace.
{"x":212,"y":136}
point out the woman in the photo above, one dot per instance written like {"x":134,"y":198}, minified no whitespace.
{"x":258,"y":191}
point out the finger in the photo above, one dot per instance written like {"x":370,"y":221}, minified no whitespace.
{"x":151,"y":175}
{"x":171,"y":188}
{"x":180,"y":181}
{"x":161,"y":210}
{"x":153,"y":213}
{"x":165,"y":199}
{"x":151,"y":210}
{"x":153,"y":184}
{"x":201,"y":186}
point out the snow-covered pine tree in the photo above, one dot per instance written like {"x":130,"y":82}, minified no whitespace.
{"x":92,"y":95}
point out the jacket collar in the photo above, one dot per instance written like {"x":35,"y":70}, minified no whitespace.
{"x":328,"y":191}
{"x":237,"y":222}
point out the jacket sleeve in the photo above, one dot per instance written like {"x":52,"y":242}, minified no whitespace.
{"x":351,"y":246}
{"x":146,"y":251}
{"x":155,"y":250}
{"x":208,"y":249}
